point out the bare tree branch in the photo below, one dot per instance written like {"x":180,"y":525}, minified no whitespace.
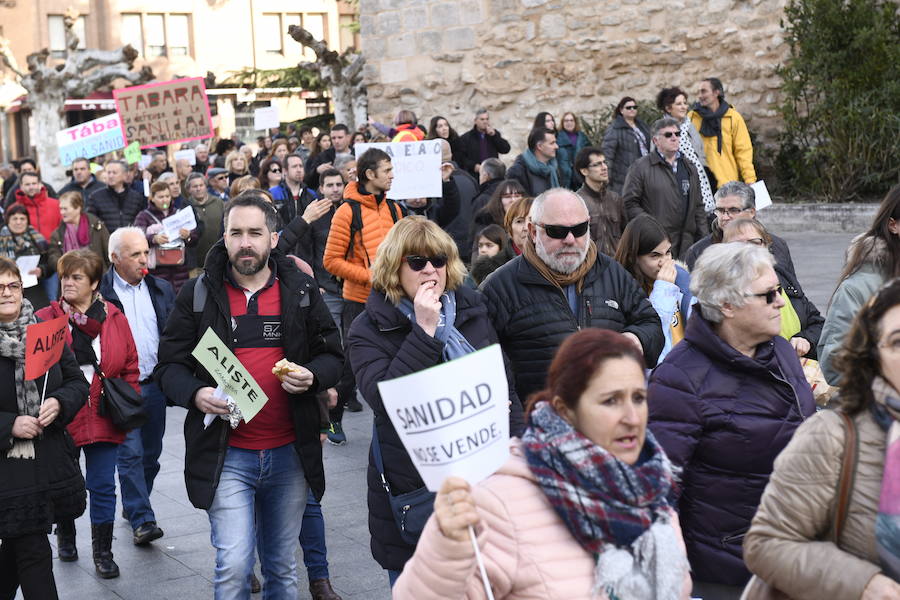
{"x":8,"y":59}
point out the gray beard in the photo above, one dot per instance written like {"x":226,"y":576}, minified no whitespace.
{"x":556,"y":264}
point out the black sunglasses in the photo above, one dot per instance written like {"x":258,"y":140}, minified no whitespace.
{"x":559,"y":232}
{"x":769,"y":296}
{"x":417,"y":263}
{"x":668,"y":134}
{"x":629,"y":108}
{"x":274,"y":170}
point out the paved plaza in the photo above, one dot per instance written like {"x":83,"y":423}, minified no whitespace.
{"x":180,"y":565}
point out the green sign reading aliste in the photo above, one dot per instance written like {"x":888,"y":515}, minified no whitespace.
{"x":229,"y":373}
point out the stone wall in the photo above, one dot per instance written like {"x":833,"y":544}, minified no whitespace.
{"x":518,"y":57}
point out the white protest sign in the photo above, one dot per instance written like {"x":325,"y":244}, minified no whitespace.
{"x":266,"y":118}
{"x":90,"y":139}
{"x":417,"y":168}
{"x":183,"y":219}
{"x":453,"y":419}
{"x":189,"y":155}
{"x":144,"y":163}
{"x":27,"y":264}
{"x":762,"y":194}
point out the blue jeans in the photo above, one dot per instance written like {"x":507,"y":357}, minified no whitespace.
{"x":312,"y":540}
{"x":335,"y":306}
{"x":259,"y":496}
{"x":51,"y":286}
{"x":139,"y":458}
{"x":100,"y":479}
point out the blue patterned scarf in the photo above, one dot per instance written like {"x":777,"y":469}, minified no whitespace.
{"x":617,"y":512}
{"x":455,"y":343}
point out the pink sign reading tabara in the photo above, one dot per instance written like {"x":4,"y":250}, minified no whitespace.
{"x":156,"y":114}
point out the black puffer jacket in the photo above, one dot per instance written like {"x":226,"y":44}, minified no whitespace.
{"x":811,"y":321}
{"x":383,"y":344}
{"x":36,"y":493}
{"x":115,"y":209}
{"x":532,"y":317}
{"x":621,"y":149}
{"x":310,"y":339}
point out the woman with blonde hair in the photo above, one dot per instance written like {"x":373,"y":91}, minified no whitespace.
{"x":236,"y":165}
{"x":418,"y":315}
{"x":516,"y":223}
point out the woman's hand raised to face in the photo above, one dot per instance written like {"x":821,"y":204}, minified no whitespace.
{"x":454,"y":508}
{"x":667,"y":271}
{"x":427,"y":304}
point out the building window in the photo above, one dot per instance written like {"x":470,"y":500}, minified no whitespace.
{"x":155,"y":36}
{"x":132,"y":32}
{"x":57,"y":30}
{"x":271,"y":34}
{"x":179,"y":36}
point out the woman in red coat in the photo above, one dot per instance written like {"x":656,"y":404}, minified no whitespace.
{"x":97,"y":331}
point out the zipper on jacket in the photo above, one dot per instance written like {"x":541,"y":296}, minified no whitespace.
{"x":733,"y":538}
{"x":783,"y":379}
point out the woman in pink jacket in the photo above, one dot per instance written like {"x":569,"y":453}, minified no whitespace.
{"x":579,"y":511}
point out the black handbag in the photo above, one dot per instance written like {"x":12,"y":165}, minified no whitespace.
{"x":412,"y":509}
{"x":119,"y":402}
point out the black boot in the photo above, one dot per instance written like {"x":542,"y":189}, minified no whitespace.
{"x":65,"y":541}
{"x":101,"y":540}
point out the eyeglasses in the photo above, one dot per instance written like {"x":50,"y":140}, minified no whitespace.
{"x":769,"y":296}
{"x":669,"y":134}
{"x":729,"y":211}
{"x":629,"y":108}
{"x":560,"y":232}
{"x":417,"y":263}
{"x":14,"y":287}
{"x":274,"y":170}
{"x":221,"y":177}
{"x":756,"y":241}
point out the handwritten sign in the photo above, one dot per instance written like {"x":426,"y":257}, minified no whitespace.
{"x":266,"y":118}
{"x":90,"y":139}
{"x":170,"y":112}
{"x":132,"y":153}
{"x":183,"y":219}
{"x":417,"y":168}
{"x":453,"y":419}
{"x":44,"y":343}
{"x":228,"y":372}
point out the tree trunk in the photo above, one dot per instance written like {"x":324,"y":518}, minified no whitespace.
{"x":342,"y":97}
{"x":48,"y":113}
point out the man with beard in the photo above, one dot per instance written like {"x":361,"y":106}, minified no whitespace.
{"x":254,"y":477}
{"x":561,"y":284}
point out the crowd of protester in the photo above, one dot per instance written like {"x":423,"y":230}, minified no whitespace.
{"x":658,"y":345}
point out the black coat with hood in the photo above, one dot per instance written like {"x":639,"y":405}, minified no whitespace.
{"x":384,"y":344}
{"x":310,"y":339}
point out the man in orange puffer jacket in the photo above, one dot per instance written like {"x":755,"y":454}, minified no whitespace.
{"x":350,"y":252}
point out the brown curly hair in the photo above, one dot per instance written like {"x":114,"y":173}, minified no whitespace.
{"x":858,"y":361}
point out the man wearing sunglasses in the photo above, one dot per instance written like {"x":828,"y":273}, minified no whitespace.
{"x":561,"y":284}
{"x":666,"y":186}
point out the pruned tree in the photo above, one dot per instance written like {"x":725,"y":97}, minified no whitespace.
{"x":48,"y":85}
{"x":341,"y":73}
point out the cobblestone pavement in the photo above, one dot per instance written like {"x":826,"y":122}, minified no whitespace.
{"x":180,"y":565}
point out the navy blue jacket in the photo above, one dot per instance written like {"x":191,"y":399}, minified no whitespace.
{"x":724,"y":417}
{"x":384,"y":344}
{"x":161,"y":294}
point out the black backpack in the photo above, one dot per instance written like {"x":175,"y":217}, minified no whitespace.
{"x":356,"y":222}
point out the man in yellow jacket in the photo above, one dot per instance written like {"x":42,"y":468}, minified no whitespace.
{"x":358,"y":227}
{"x":726,"y":140}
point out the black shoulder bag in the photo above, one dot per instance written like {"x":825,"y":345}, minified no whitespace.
{"x":119,"y":402}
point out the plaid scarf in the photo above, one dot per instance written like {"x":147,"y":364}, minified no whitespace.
{"x":617,"y":512}
{"x":25,"y":244}
{"x":887,"y":523}
{"x":28,"y":398}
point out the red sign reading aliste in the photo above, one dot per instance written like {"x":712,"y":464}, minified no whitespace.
{"x":44,"y":343}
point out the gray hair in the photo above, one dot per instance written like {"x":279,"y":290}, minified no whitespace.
{"x":198,"y":146}
{"x":115,"y":239}
{"x":493,"y":168}
{"x":661,"y":124}
{"x":341,"y":161}
{"x":723,"y":275}
{"x":194,"y":175}
{"x":739,"y":189}
{"x":164,"y":177}
{"x":121,"y":163}
{"x":480,"y":111}
{"x":537,"y":205}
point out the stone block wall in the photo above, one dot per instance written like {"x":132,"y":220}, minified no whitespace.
{"x":519,"y":57}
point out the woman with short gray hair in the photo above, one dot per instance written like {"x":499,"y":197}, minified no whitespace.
{"x":723,"y":404}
